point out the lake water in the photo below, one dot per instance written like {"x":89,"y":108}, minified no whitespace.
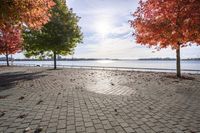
{"x":158,"y":64}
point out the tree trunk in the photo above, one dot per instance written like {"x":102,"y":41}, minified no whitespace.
{"x":7,"y":60}
{"x":54,"y":57}
{"x":178,"y":62}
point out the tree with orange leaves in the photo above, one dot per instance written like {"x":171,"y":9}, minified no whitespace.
{"x":167,"y":23}
{"x":16,"y":13}
{"x":32,"y":13}
{"x":10,"y":41}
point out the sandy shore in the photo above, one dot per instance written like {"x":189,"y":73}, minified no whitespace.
{"x":144,"y":101}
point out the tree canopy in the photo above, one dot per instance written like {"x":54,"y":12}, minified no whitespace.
{"x":32,"y":13}
{"x":10,"y":40}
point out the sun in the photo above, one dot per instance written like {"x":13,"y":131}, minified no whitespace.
{"x":103,"y":27}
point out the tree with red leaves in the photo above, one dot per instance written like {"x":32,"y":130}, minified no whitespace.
{"x":167,"y":23}
{"x":10,"y":41}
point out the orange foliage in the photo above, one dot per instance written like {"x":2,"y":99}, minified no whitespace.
{"x":164,"y":23}
{"x":33,"y":13}
{"x":10,"y":40}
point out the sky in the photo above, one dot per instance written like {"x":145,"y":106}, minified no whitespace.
{"x":107,"y":33}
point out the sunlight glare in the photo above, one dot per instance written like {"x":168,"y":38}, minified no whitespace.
{"x":103,"y":27}
{"x":105,"y":61}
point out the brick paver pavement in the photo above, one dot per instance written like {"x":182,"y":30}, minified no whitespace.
{"x":87,"y":101}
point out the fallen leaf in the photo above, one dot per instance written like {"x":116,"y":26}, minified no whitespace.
{"x":2,"y":114}
{"x":22,"y":116}
{"x":150,"y":108}
{"x":21,"y":98}
{"x":38,"y":130}
{"x":27,"y":129}
{"x":39,"y":102}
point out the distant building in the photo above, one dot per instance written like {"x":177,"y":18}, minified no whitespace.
{"x":59,"y":57}
{"x":2,"y":58}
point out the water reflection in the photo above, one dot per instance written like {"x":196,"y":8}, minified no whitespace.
{"x":105,"y":61}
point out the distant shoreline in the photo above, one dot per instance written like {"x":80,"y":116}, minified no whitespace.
{"x":169,"y":59}
{"x":93,"y":59}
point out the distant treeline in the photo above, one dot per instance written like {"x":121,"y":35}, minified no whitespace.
{"x":59,"y":59}
{"x":168,"y":59}
{"x":94,"y":59}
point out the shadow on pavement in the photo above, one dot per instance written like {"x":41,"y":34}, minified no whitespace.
{"x":10,"y":79}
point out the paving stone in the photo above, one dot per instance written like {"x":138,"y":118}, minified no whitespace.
{"x":51,"y":130}
{"x":88,"y":124}
{"x":11,"y":130}
{"x":61,"y":131}
{"x":52,"y":124}
{"x":139,"y":130}
{"x":80,"y":129}
{"x":100,"y":131}
{"x":129,"y":130}
{"x":90,"y":129}
{"x":124,"y":124}
{"x":118,"y":129}
{"x":107,"y":126}
{"x":98,"y":126}
{"x":70,"y":127}
{"x":110,"y":131}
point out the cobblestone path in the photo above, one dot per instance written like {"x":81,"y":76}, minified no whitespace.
{"x":87,"y":101}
